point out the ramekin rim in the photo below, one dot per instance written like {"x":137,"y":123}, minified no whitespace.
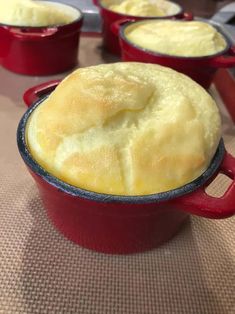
{"x":159,"y":54}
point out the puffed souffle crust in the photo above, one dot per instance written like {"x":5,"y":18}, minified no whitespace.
{"x":125,"y":129}
{"x":142,"y":7}
{"x":176,"y":38}
{"x":36,"y":13}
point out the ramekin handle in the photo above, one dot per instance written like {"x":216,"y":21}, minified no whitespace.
{"x":187,"y":16}
{"x":25,"y":33}
{"x":34,"y":93}
{"x":201,"y":204}
{"x":224,"y":61}
{"x":115,"y":26}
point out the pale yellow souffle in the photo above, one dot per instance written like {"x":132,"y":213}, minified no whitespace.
{"x":138,"y":7}
{"x":177,"y":38}
{"x":35,"y":13}
{"x":125,"y":129}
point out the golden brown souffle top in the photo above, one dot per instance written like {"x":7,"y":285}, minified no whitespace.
{"x":125,"y":129}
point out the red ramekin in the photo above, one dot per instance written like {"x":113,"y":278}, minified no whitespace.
{"x":200,"y":69}
{"x":41,"y":50}
{"x":123,"y":224}
{"x":110,"y":41}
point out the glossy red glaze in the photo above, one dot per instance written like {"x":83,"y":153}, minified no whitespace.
{"x":111,"y":225}
{"x":35,"y":93}
{"x":200,"y":69}
{"x":40,"y":50}
{"x":110,"y":228}
{"x":200,"y":203}
{"x":110,"y":41}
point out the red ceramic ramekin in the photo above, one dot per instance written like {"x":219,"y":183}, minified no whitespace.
{"x":123,"y":224}
{"x":200,"y":69}
{"x":109,"y":17}
{"x":41,"y":50}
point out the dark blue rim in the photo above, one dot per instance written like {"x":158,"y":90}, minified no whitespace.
{"x":220,"y":53}
{"x":106,"y":198}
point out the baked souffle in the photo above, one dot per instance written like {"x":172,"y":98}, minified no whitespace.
{"x":142,"y":7}
{"x":125,"y":129}
{"x":176,"y":38}
{"x":36,"y":13}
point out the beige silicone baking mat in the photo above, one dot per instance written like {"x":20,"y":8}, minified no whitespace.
{"x":42,"y":272}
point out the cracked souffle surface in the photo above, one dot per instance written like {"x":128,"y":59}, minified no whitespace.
{"x":125,"y":129}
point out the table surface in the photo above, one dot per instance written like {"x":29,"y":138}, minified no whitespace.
{"x":42,"y":272}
